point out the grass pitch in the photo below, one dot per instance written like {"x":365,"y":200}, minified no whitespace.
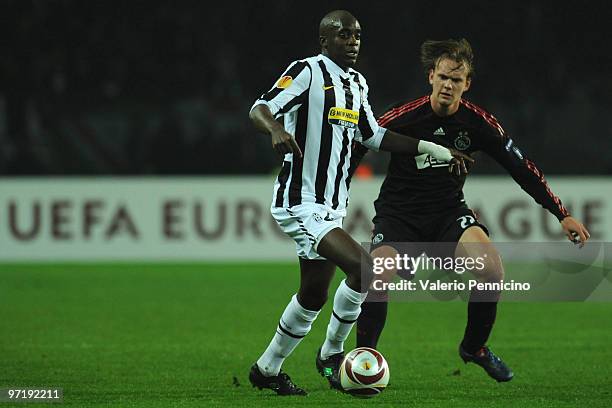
{"x":185,"y":335}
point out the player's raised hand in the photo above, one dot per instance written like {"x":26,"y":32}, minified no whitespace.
{"x":283,"y":143}
{"x":458,"y":162}
{"x":575,"y":231}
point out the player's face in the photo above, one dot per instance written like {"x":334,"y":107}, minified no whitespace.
{"x":449,"y":80}
{"x":342,"y":43}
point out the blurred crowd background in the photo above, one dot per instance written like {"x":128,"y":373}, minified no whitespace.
{"x":161,"y":87}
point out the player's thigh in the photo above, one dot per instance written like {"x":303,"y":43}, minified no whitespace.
{"x":388,"y":238}
{"x":392,"y":237}
{"x":451,"y":225}
{"x":475,"y":244}
{"x":462,"y":226}
{"x":340,"y":248}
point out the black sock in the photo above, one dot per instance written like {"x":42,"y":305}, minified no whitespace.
{"x":370,"y":323}
{"x":481,"y":317}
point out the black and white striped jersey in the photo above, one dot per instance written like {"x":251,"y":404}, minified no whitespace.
{"x":325,"y":108}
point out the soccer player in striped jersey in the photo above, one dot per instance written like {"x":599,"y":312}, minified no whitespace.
{"x":421,"y":201}
{"x":324,"y":103}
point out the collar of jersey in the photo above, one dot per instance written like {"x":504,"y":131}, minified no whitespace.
{"x":332,"y":66}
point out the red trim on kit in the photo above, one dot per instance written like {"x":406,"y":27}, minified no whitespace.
{"x":485,"y":115}
{"x":400,"y":110}
{"x":532,"y":167}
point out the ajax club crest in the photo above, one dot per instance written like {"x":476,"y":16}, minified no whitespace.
{"x":463,"y":142}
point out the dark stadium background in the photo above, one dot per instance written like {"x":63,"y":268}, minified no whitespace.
{"x":120,"y":120}
{"x":160,"y":87}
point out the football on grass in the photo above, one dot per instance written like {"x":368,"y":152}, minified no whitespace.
{"x":364,"y":373}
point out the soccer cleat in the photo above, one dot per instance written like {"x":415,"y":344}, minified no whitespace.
{"x":281,"y":383}
{"x":330,"y":368}
{"x":493,"y":365}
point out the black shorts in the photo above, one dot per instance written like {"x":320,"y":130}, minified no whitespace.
{"x":431,"y":233}
{"x":446,"y":226}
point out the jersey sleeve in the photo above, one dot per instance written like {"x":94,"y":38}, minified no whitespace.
{"x":368,"y":132}
{"x":497,"y":144}
{"x":290,"y":91}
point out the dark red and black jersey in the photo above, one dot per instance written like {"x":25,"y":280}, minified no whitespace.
{"x":421,"y":185}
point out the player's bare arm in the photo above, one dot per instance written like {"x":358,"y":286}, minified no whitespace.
{"x":282,"y":141}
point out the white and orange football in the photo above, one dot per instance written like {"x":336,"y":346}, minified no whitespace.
{"x":364,"y":373}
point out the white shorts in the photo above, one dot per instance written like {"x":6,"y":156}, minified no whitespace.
{"x":307,"y":224}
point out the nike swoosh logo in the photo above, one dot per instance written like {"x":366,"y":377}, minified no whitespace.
{"x":326,"y":88}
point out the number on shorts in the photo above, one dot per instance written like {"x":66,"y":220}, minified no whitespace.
{"x":466,"y":221}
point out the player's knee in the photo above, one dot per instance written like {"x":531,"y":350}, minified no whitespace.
{"x":492,"y":271}
{"x":358,"y":271}
{"x":381,"y":267}
{"x":493,"y":275}
{"x":358,"y":264}
{"x":312,"y":298}
{"x":366,"y":266}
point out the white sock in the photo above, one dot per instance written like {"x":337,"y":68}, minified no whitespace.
{"x":295,"y":323}
{"x":347,"y":306}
